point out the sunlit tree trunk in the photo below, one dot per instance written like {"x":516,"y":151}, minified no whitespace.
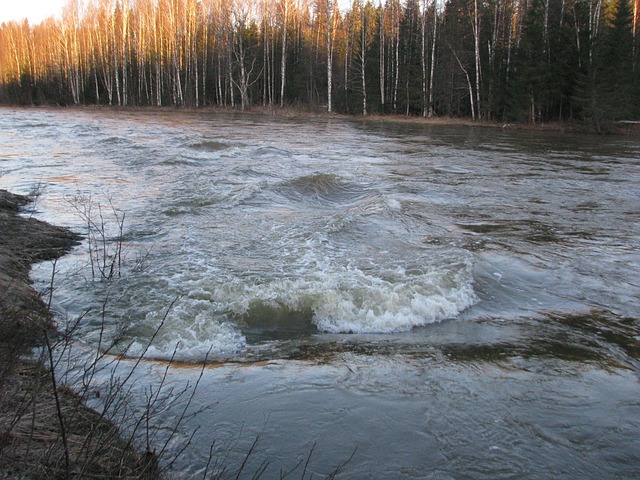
{"x":395,"y":25}
{"x":636,"y":34}
{"x":71,"y":49}
{"x":381,"y":66}
{"x":329,"y":20}
{"x":239,"y":52}
{"x":350,"y":28}
{"x":266,"y":53}
{"x":433,"y":59}
{"x":14,"y":47}
{"x":204,"y":42}
{"x":363,"y":59}
{"x":158,"y":55}
{"x":228,"y":47}
{"x":124,"y":52}
{"x":219,"y":77}
{"x":192,"y":87}
{"x":283,"y":64}
{"x":595,"y":9}
{"x":423,"y":57}
{"x":476,"y":42}
{"x":116,"y":61}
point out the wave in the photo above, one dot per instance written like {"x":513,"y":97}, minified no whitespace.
{"x":34,"y":125}
{"x":243,"y":194}
{"x":115,"y":141}
{"x":360,"y":300}
{"x":208,"y":146}
{"x":271,"y":152}
{"x":376,"y":204}
{"x":223,"y":316}
{"x":188,"y":338}
{"x":194,"y":206}
{"x":451,"y":169}
{"x":178,"y":161}
{"x":323,"y":188}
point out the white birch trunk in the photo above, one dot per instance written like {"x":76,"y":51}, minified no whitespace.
{"x":423,"y":57}
{"x":433,"y":59}
{"x":363,"y":50}
{"x":476,"y":37}
{"x":382,"y":59}
{"x":329,"y":56}
{"x":283,"y":66}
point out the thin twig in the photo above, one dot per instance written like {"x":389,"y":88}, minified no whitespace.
{"x":54,"y":385}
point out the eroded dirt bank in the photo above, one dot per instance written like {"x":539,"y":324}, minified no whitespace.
{"x":42,"y":436}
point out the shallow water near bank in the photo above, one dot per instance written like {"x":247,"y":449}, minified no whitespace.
{"x":452,"y":301}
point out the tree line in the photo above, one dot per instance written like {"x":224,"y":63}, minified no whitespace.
{"x":507,"y":60}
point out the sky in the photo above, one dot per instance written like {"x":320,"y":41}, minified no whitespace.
{"x":37,"y":10}
{"x":34,"y":10}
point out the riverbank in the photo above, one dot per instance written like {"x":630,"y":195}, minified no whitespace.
{"x":45,"y":430}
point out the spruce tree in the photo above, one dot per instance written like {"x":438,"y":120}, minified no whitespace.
{"x":609,"y":92}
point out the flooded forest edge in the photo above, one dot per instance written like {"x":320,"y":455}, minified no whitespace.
{"x":527,"y":61}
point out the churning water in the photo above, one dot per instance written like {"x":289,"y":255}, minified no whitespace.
{"x":473,"y":294}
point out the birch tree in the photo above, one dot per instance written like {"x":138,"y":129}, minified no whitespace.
{"x":285,"y":8}
{"x":431,"y":107}
{"x":329,"y":23}
{"x":71,"y":45}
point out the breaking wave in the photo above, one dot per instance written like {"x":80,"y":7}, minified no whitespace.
{"x":220,"y":316}
{"x":355,"y":300}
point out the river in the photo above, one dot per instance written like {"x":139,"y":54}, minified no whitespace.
{"x":437,"y":301}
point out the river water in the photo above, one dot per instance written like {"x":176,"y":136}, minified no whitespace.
{"x":444,"y":301}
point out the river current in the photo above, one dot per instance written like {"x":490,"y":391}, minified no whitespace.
{"x":444,"y":301}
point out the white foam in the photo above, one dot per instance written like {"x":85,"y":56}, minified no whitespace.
{"x":187,"y":335}
{"x":245,"y":193}
{"x":349,"y":299}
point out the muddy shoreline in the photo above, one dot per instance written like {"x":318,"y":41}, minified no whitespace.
{"x":24,"y":241}
{"x":34,"y":442}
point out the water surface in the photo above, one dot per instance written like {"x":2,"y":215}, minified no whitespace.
{"x":455,"y":302}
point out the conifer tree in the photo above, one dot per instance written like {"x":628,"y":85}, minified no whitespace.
{"x":607,"y":92}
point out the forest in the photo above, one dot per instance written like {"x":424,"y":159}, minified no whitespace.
{"x":526,"y":61}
